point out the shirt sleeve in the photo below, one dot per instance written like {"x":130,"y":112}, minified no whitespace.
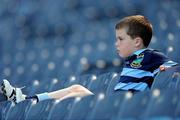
{"x":157,"y":59}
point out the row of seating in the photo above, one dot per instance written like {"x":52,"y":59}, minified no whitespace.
{"x":161,"y":102}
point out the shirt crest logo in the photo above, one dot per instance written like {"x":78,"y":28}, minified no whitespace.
{"x":137,"y":62}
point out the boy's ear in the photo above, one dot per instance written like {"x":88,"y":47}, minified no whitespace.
{"x":138,"y":42}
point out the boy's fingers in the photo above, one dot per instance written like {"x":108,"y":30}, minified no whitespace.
{"x":163,"y":68}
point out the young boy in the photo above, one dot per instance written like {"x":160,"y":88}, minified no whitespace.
{"x":133,"y":35}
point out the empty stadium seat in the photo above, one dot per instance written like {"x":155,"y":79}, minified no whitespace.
{"x":100,"y":83}
{"x":5,"y":107}
{"x":60,"y":109}
{"x":39,"y":111}
{"x":112,"y":83}
{"x":168,"y":79}
{"x":106,"y":107}
{"x":162,"y":104}
{"x":81,"y":108}
{"x":18,"y":111}
{"x":133,"y":106}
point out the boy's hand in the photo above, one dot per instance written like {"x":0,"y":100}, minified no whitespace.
{"x":163,"y":68}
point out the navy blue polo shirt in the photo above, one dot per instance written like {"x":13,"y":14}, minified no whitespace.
{"x":140,"y":69}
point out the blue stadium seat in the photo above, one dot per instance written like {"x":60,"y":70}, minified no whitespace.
{"x":5,"y":107}
{"x":100,"y":83}
{"x":37,"y":87}
{"x":18,"y":111}
{"x":133,"y":106}
{"x":106,"y":107}
{"x":81,"y":108}
{"x":168,"y":79}
{"x":163,"y":103}
{"x":83,"y":80}
{"x":177,"y":111}
{"x":60,"y":109}
{"x":113,"y":82}
{"x":56,"y":84}
{"x":40,"y":110}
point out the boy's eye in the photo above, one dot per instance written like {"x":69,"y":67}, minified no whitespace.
{"x":119,"y":38}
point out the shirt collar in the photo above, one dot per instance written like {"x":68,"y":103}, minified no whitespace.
{"x":135,"y":54}
{"x":139,"y":51}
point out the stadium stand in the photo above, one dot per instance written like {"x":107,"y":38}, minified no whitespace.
{"x":47,"y":45}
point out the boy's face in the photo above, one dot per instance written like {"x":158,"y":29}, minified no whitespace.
{"x":125,"y":45}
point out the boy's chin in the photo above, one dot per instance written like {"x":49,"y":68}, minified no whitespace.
{"x":123,"y":56}
{"x":120,"y":55}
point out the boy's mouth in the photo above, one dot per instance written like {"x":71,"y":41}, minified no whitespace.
{"x":117,"y":50}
